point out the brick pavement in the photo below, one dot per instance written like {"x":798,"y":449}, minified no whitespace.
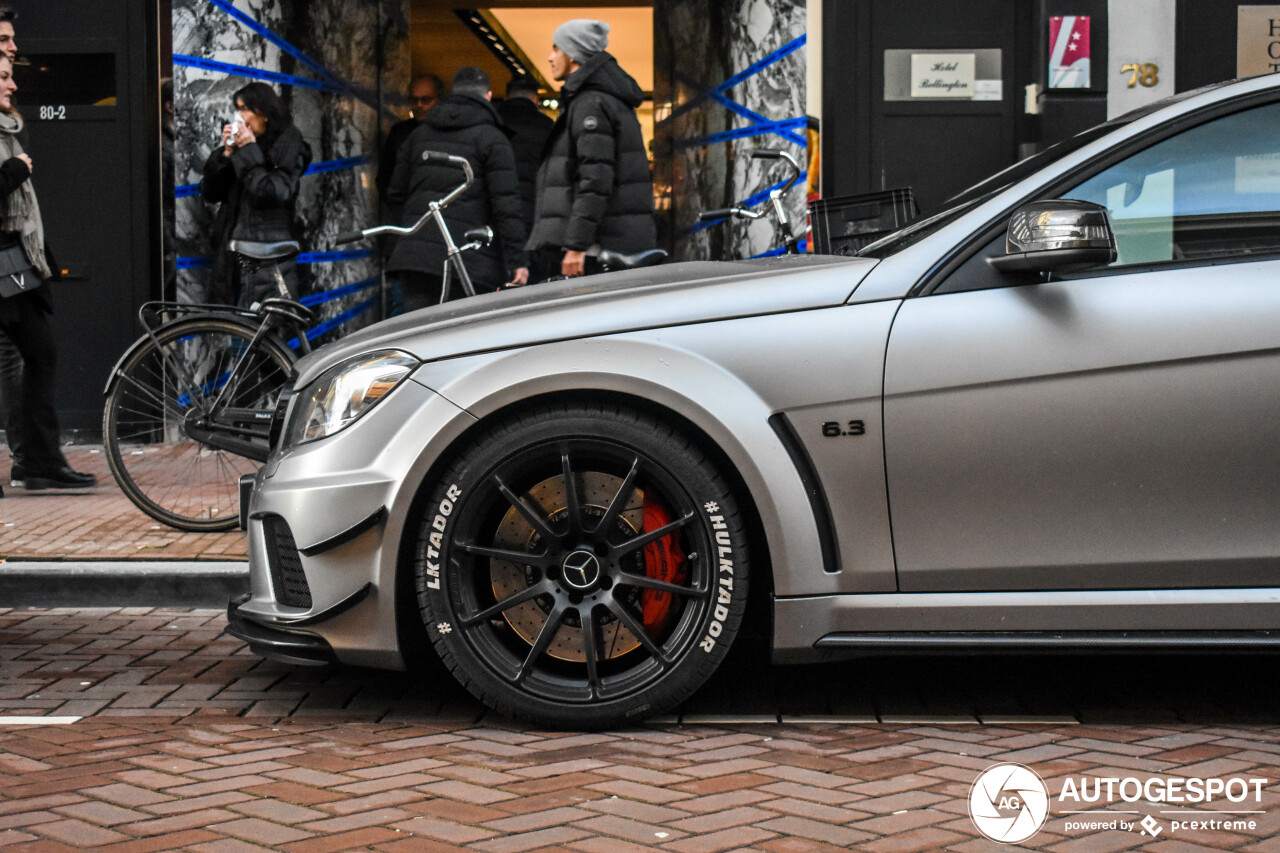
{"x":96,"y":524}
{"x":188,"y":742}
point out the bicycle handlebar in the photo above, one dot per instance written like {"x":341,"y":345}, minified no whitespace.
{"x":778,"y":154}
{"x":726,"y":212}
{"x":427,"y":157}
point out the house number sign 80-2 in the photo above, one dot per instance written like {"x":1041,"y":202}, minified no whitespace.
{"x":1146,"y":73}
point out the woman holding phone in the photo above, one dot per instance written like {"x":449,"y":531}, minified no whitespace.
{"x":26,"y":266}
{"x":254,"y":175}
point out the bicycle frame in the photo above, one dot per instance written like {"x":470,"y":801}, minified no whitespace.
{"x":435,"y":213}
{"x":223,"y":428}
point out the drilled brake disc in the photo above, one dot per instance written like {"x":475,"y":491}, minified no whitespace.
{"x":595,"y":492}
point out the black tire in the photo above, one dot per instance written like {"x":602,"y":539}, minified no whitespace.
{"x":561,"y":606}
{"x":155,"y":392}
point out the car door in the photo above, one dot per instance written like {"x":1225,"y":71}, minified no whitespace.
{"x":1115,"y":429}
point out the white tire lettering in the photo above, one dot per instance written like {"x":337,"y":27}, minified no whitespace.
{"x":436,"y":539}
{"x":724,"y":592}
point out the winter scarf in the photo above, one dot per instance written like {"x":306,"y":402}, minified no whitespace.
{"x":21,"y":210}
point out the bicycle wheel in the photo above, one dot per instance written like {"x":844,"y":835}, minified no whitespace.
{"x":194,"y":371}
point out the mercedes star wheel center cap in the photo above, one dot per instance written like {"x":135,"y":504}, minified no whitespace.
{"x":581,"y":570}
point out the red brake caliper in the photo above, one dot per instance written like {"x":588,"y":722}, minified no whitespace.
{"x":663,"y":560}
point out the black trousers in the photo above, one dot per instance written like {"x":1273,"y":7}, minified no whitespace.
{"x":421,"y":290}
{"x":11,"y":398}
{"x":33,"y":421}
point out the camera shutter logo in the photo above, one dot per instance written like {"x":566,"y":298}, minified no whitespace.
{"x":1008,"y":803}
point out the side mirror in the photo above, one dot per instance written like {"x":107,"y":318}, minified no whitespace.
{"x":1060,"y":234}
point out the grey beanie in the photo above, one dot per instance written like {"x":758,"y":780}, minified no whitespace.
{"x":582,"y":38}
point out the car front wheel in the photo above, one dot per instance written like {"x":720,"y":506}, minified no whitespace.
{"x":582,"y":567}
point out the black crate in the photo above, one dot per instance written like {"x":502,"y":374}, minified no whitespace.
{"x":842,"y":226}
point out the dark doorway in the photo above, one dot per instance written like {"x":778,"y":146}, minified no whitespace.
{"x":878,"y":135}
{"x":87,"y":87}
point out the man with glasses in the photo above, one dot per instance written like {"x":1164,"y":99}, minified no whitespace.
{"x":425,"y":92}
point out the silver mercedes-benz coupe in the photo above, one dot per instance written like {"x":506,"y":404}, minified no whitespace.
{"x":1046,"y":417}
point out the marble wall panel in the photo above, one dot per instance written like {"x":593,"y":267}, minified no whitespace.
{"x":698,"y":44}
{"x":363,"y":44}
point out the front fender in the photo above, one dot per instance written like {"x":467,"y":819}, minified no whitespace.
{"x":641,"y":365}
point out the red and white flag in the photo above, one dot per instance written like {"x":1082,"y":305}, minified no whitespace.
{"x":1069,"y":52}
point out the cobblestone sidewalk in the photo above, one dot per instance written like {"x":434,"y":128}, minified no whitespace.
{"x":187,"y":742}
{"x":96,"y":524}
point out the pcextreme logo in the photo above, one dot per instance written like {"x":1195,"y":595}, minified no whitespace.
{"x":1009,"y":803}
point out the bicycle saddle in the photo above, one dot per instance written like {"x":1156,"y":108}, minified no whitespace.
{"x":482,"y":235}
{"x":618,"y":261}
{"x":265,"y":251}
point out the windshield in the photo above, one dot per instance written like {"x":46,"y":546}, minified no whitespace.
{"x":961,"y":204}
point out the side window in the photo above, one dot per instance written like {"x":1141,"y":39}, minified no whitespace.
{"x":1211,"y":191}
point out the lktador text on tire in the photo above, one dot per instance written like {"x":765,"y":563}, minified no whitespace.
{"x":582,"y":567}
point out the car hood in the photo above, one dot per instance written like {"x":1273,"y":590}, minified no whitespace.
{"x":672,"y":294}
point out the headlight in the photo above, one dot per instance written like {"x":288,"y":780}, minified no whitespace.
{"x":344,"y":393}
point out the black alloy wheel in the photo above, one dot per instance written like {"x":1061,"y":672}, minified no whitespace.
{"x":582,"y":567}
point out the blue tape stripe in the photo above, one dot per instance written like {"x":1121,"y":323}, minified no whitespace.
{"x":364,"y":94}
{"x":334,"y":322}
{"x":339,"y":292}
{"x":729,"y":104}
{"x":764,"y":194}
{"x":743,"y":132}
{"x":773,"y":253}
{"x":336,"y":165}
{"x":755,"y":118}
{"x":277,"y":41}
{"x":188,"y":190}
{"x":755,"y":68}
{"x":201,"y":261}
{"x":331,"y":257}
{"x":759,"y":197}
{"x":256,"y":73}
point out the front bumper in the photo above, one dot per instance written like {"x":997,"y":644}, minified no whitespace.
{"x":270,"y":641}
{"x":325,"y":521}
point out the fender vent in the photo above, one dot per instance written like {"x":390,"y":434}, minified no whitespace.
{"x":287,"y":578}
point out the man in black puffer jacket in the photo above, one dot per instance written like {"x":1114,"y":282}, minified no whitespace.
{"x":464,"y":124}
{"x":595,"y":189}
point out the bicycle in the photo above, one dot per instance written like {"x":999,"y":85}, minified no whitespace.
{"x":189,"y":406}
{"x":791,"y":243}
{"x":475,"y":237}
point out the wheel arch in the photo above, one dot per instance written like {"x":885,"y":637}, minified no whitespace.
{"x":759,"y":616}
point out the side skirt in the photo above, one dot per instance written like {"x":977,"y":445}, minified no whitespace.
{"x":1067,"y":642}
{"x":815,"y":628}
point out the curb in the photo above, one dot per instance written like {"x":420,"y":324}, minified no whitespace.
{"x":131,"y":584}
